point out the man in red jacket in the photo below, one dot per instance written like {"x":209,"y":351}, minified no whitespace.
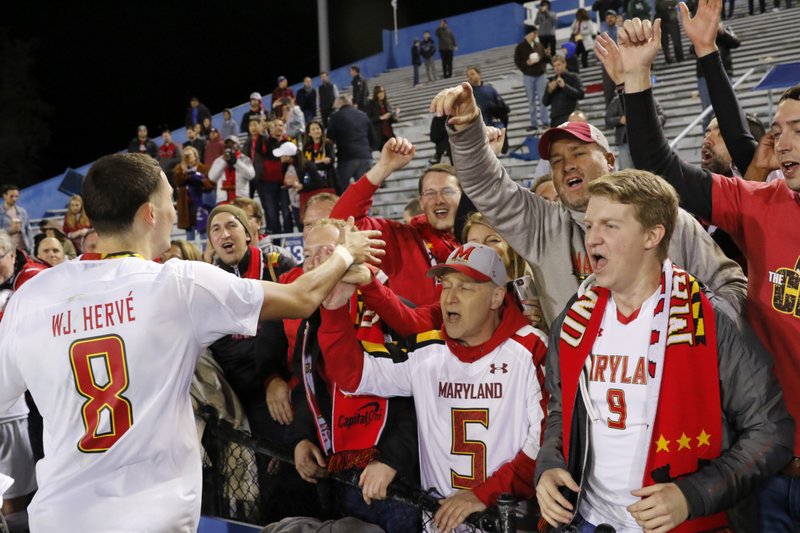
{"x":427,"y":240}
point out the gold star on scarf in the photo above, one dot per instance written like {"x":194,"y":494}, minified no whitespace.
{"x":702,"y":438}
{"x":683,"y":442}
{"x":663,"y":444}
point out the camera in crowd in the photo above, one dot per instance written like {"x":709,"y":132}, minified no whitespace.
{"x":230,"y":156}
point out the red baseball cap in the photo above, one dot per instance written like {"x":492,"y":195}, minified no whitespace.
{"x":478,"y":261}
{"x":583,"y":131}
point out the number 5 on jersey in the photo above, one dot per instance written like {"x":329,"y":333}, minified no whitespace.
{"x":101,"y":376}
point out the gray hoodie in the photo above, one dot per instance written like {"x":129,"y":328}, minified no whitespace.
{"x":550,"y":236}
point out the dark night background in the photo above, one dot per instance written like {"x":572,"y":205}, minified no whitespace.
{"x":76,"y":78}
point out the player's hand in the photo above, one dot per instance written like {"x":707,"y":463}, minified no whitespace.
{"x":662,"y":508}
{"x":340,"y":295}
{"x":702,"y":27}
{"x":279,"y":401}
{"x":496,"y":138}
{"x":458,"y":103}
{"x":455,"y":509}
{"x":309,"y":461}
{"x":374,"y":480}
{"x":554,"y":507}
{"x":607,"y":52}
{"x":363,"y":245}
{"x":764,"y":160}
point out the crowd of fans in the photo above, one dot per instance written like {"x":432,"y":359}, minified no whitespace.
{"x":434,"y":367}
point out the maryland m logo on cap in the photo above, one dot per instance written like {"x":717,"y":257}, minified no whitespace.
{"x":477,"y":261}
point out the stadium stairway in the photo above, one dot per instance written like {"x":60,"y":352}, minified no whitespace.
{"x":675,"y":89}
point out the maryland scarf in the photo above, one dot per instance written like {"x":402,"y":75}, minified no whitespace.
{"x":683,"y":398}
{"x":438,"y":244}
{"x":229,"y":183}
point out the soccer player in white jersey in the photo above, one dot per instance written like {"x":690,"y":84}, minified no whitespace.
{"x":663,"y":410}
{"x":107,"y":345}
{"x":474,"y":385}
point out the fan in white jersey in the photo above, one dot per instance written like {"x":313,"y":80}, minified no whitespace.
{"x":474,"y":385}
{"x":107,"y":345}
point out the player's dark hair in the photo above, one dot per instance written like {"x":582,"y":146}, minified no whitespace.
{"x":792,"y":93}
{"x":440,"y":167}
{"x":115,"y":187}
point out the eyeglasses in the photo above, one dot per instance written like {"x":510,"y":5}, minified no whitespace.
{"x":446,"y":193}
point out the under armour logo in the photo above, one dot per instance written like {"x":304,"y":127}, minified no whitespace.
{"x":493,"y":368}
{"x":600,"y":332}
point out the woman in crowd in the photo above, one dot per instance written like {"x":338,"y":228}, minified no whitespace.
{"x":182,"y":250}
{"x":76,"y":223}
{"x":191,"y":180}
{"x":382,"y":116}
{"x":582,"y":34}
{"x":317,"y":172}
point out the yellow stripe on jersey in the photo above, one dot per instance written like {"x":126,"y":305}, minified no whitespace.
{"x":373,"y":347}
{"x":429,"y":337}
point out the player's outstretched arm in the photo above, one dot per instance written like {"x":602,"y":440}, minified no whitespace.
{"x":303,"y":296}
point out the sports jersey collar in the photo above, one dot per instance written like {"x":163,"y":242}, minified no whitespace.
{"x":92,"y":256}
{"x":511,"y":321}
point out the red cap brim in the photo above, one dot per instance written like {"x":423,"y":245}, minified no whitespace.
{"x":546,"y":139}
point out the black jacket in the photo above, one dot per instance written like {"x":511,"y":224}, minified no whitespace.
{"x":351,"y":130}
{"x":327,"y":96}
{"x":416,"y":59}
{"x":202,"y":113}
{"x":562,"y":101}
{"x":726,"y":41}
{"x":307,"y":100}
{"x":149,"y":145}
{"x":360,"y":92}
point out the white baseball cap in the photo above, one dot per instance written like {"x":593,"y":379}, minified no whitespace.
{"x":286,"y":149}
{"x":478,"y":261}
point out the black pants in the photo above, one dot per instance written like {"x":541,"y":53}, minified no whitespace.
{"x":549,"y":42}
{"x":762,"y":5}
{"x":447,"y":63}
{"x":671,"y":30}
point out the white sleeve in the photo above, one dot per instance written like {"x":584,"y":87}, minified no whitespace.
{"x":217,"y":167}
{"x":218,"y":302}
{"x":12,"y":385}
{"x":245,"y":167}
{"x":383,"y":377}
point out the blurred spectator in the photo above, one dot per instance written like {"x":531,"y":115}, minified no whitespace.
{"x":582,"y":34}
{"x":328,"y":93}
{"x":564,"y":90}
{"x":142,"y":144}
{"x":438,"y":136}
{"x":571,"y":58}
{"x":532,"y":59}
{"x":615,"y":118}
{"x":411,"y":210}
{"x":307,"y":100}
{"x":51,"y":251}
{"x":215,"y":145}
{"x":317,"y":208}
{"x":317,"y":174}
{"x":14,"y":219}
{"x":183,"y":250}
{"x":639,"y":9}
{"x":76,"y":224}
{"x":193,"y":205}
{"x":416,"y":60}
{"x":293,"y":117}
{"x":232,"y":172}
{"x":255,"y":221}
{"x":89,"y":242}
{"x":427,"y":50}
{"x":351,"y":130}
{"x":544,"y":188}
{"x":602,"y":6}
{"x":360,"y":88}
{"x":52,"y":229}
{"x":411,"y":249}
{"x":280,"y":92}
{"x":382,"y":116}
{"x":274,"y":197}
{"x":667,"y":11}
{"x":726,"y":41}
{"x":494,"y":110}
{"x":447,"y":46}
{"x":205,"y":128}
{"x":193,"y":140}
{"x":610,"y":27}
{"x":229,"y":126}
{"x":256,"y":108}
{"x":291,"y":184}
{"x":546,"y":21}
{"x":196,"y":113}
{"x":169,"y":154}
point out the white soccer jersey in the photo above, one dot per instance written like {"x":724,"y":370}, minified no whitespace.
{"x":618,"y":377}
{"x":471,"y":417}
{"x":107,"y":349}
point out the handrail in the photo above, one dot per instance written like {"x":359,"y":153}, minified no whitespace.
{"x":705,"y":112}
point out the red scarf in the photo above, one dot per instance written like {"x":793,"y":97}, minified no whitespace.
{"x":438,"y":244}
{"x":229,"y":183}
{"x":687,"y":431}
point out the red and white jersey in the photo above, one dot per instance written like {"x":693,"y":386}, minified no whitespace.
{"x":471,"y":417}
{"x":107,"y":349}
{"x":618,"y":378}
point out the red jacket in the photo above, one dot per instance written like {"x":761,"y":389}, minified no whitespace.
{"x":24,"y":269}
{"x":409,"y":255}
